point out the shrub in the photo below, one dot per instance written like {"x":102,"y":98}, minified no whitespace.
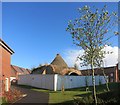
{"x":83,"y":100}
{"x":12,"y":95}
{"x":106,"y":98}
{"x":4,"y":101}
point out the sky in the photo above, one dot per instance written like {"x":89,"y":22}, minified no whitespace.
{"x":37,"y":31}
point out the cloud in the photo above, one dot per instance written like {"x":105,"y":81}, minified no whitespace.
{"x":111,"y":59}
{"x":70,"y":56}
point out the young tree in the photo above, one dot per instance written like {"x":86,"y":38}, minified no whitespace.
{"x":100,"y":63}
{"x":90,"y":32}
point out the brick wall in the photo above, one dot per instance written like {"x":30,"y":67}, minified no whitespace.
{"x":111,"y":72}
{"x":6,"y":69}
{"x":5,"y":59}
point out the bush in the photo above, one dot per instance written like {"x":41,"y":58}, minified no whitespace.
{"x":12,"y":95}
{"x":83,"y":100}
{"x":4,"y":101}
{"x":111,"y":97}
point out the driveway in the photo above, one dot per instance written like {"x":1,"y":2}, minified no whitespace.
{"x":32,"y":96}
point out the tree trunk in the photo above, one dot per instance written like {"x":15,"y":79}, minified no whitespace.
{"x":62,"y":88}
{"x":93,"y":81}
{"x":108,"y":89}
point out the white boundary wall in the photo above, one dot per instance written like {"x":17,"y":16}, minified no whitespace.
{"x":55,"y":82}
{"x":77,"y":81}
{"x":36,"y":80}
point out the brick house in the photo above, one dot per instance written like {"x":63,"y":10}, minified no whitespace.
{"x":111,"y":72}
{"x":16,"y":71}
{"x":5,"y":62}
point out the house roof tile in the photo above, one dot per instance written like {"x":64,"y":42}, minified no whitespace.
{"x":20,"y":69}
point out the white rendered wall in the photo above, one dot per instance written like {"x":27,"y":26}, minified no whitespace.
{"x":77,"y":81}
{"x":55,"y":82}
{"x":36,"y":80}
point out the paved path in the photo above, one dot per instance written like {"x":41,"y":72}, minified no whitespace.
{"x":32,"y":96}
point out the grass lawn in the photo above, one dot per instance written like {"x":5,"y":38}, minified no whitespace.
{"x":69,"y":94}
{"x":60,"y":97}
